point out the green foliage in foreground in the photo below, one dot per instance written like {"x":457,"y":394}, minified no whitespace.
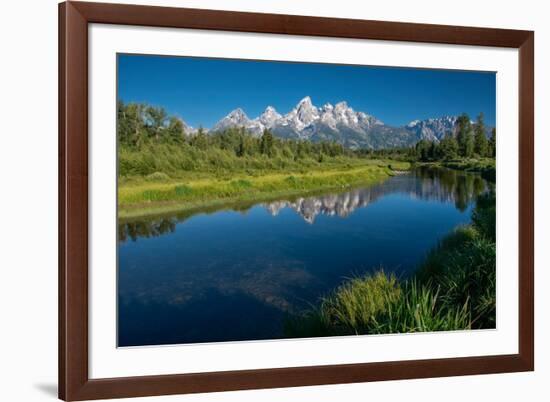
{"x":454,"y":289}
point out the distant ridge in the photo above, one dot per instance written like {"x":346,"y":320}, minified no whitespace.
{"x":339,"y":123}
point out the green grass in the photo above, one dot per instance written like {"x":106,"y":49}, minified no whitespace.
{"x":399,"y":165}
{"x":485,"y":166}
{"x":453,"y":289}
{"x":157,"y":178}
{"x":380,"y":304}
{"x":145,"y":196}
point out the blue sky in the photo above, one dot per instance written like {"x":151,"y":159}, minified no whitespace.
{"x":202,"y":91}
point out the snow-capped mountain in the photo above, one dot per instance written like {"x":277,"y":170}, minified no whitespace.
{"x":238,"y":118}
{"x":339,"y":123}
{"x":306,"y":121}
{"x":269,"y":117}
{"x":433,"y":129}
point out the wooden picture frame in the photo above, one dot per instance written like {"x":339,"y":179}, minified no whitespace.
{"x":74,"y":381}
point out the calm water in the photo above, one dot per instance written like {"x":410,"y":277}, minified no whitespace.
{"x":235,"y":274}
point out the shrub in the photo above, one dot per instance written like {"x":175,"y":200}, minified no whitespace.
{"x":157,"y":176}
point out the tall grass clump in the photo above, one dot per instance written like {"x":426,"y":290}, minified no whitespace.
{"x":463,"y":265}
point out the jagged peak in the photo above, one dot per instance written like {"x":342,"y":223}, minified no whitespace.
{"x":269,"y":116}
{"x":342,"y":105}
{"x":305,"y":100}
{"x":270,"y":111}
{"x":447,"y":118}
{"x":338,"y":122}
{"x":237,"y":113}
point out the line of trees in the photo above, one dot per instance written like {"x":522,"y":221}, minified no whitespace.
{"x":470,"y":141}
{"x":140,"y":124}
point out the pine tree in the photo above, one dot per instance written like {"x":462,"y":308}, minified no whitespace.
{"x":480,"y":139}
{"x":493,"y":143}
{"x":448,"y":147}
{"x":266,"y":145}
{"x":465,"y":136}
{"x":423,"y":150}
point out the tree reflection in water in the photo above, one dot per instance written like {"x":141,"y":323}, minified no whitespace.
{"x":435,"y":184}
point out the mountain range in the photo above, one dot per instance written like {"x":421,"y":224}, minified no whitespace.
{"x":339,"y":123}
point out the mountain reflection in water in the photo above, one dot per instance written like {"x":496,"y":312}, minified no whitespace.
{"x":442,"y":185}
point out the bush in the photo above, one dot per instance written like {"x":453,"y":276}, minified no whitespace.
{"x":157,"y":176}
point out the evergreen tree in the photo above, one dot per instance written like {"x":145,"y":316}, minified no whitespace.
{"x":433,"y":151}
{"x":493,"y":143}
{"x":266,"y":145}
{"x":448,"y":147}
{"x":465,"y":136}
{"x":480,"y":139}
{"x":423,"y":150}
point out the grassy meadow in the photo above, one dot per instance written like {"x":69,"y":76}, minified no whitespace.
{"x":143,"y":197}
{"x":166,"y":178}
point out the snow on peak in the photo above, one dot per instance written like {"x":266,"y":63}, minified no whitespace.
{"x":327,"y":107}
{"x":269,"y":117}
{"x":306,"y":101}
{"x":339,"y":123}
{"x":341,"y":106}
{"x":433,"y":129}
{"x":238,"y":115}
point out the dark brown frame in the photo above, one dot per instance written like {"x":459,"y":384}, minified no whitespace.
{"x":74,"y":17}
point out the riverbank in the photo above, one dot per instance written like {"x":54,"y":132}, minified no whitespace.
{"x":485,"y":166}
{"x":158,"y":193}
{"x":453,"y":289}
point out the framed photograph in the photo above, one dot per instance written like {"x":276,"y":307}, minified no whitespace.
{"x":259,"y":200}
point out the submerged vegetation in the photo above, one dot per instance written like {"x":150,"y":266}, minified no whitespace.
{"x":454,"y":289}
